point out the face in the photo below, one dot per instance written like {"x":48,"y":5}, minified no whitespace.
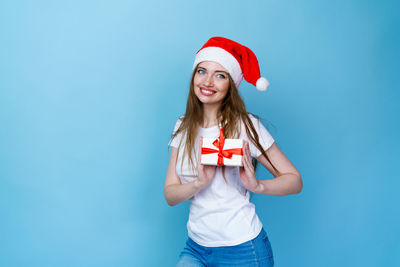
{"x":211,"y":83}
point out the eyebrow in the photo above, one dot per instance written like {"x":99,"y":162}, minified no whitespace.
{"x":199,"y":67}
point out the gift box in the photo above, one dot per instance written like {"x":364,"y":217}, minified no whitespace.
{"x":221,"y":151}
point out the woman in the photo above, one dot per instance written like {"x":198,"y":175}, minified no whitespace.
{"x":223,"y":227}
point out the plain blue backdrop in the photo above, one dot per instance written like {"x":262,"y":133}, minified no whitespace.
{"x":90,"y":92}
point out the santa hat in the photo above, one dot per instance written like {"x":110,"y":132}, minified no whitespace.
{"x":237,"y":59}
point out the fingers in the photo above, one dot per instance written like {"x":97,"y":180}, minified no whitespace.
{"x":246,"y":157}
{"x":199,"y":152}
{"x":199,"y":165}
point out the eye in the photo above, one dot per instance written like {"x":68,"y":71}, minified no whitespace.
{"x":221,"y":76}
{"x":201,"y":71}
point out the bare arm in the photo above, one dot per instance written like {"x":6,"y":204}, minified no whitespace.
{"x":174,"y":191}
{"x":288,"y":182}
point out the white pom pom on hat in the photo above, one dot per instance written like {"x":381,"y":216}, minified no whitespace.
{"x":262,"y":84}
{"x":237,"y":59}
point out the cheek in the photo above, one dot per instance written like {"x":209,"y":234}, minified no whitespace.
{"x":197,"y":79}
{"x":223,"y":95}
{"x":224,"y":88}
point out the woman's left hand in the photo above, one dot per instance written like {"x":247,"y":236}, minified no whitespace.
{"x":247,"y":173}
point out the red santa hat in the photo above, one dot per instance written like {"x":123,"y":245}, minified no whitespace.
{"x":237,"y":59}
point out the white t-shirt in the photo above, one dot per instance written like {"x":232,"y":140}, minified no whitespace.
{"x":221,"y":214}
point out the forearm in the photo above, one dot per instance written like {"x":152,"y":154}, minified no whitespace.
{"x":177,"y":193}
{"x":282,"y":185}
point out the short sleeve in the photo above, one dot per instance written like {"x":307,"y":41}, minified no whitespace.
{"x":265,"y":138}
{"x":175,"y":141}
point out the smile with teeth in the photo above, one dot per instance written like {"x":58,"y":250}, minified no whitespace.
{"x":206,"y":91}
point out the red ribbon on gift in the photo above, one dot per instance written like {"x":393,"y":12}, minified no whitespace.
{"x":219,"y":143}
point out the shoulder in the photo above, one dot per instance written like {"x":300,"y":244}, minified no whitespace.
{"x":255,"y":119}
{"x":265,"y":139}
{"x":260,"y":128}
{"x":176,"y":136}
{"x":178,"y":123}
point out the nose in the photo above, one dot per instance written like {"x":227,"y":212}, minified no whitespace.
{"x":209,"y":80}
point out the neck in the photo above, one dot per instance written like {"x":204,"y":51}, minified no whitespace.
{"x":210,"y":115}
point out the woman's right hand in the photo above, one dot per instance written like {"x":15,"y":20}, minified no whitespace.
{"x":206,"y":172}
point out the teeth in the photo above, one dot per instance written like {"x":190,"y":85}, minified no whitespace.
{"x":207,"y":91}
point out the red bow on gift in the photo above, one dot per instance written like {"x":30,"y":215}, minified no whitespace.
{"x":219,"y":143}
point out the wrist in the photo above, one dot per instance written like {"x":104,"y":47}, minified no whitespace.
{"x":259,"y":188}
{"x":198,"y":185}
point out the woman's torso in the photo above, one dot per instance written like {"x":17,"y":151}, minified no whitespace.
{"x":221,"y":214}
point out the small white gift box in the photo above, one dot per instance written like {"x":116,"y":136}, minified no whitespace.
{"x":221,"y":151}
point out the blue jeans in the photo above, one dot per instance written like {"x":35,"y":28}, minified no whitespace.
{"x":256,"y":252}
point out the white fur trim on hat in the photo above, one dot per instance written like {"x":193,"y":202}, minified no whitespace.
{"x":222,"y":57}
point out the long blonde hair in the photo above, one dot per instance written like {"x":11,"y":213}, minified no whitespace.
{"x":230,"y":114}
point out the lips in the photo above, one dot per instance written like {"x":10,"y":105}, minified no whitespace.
{"x":207,"y":92}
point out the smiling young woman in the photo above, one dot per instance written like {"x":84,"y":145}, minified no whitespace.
{"x":223,"y":227}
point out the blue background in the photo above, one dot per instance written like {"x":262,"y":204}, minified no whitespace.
{"x":90,"y":91}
